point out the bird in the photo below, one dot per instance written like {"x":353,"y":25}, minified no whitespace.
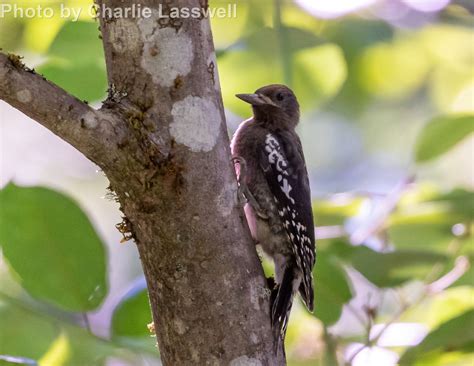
{"x":273,"y":179}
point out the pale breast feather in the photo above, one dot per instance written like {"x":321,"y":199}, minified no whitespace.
{"x":289,"y":184}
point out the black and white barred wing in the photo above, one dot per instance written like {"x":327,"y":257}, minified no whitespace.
{"x":285,"y":171}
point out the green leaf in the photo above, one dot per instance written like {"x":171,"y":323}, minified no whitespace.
{"x":53,"y":248}
{"x":24,"y":334}
{"x":79,"y":43}
{"x":421,"y":235}
{"x":28,"y":331}
{"x":76,"y":61}
{"x":82,"y":348}
{"x":455,"y":334}
{"x":445,"y":358}
{"x":135,"y":306}
{"x":395,"y":268}
{"x":134,"y":333}
{"x":441,"y":134}
{"x":441,"y":307}
{"x":84,"y":81}
{"x":459,"y":201}
{"x":387,"y":269}
{"x":332,"y":290}
{"x":425,"y":225}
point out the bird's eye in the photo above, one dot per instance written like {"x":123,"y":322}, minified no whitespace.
{"x":280,"y":97}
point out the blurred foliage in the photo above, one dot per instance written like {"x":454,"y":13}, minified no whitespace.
{"x":332,"y":288}
{"x":51,"y":236}
{"x":441,"y":134}
{"x":135,"y":305}
{"x":36,"y":335}
{"x":76,"y":61}
{"x":414,"y":244}
{"x":390,"y":269}
{"x":455,"y":335}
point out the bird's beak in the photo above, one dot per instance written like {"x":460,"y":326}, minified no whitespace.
{"x":256,"y":99}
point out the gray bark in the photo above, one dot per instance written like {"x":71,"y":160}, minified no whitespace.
{"x":162,"y":141}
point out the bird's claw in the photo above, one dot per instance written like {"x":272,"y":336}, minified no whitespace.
{"x":244,"y":190}
{"x":242,"y":200}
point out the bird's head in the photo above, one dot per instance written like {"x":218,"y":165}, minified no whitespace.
{"x":274,"y":105}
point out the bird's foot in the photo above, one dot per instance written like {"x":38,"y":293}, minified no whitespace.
{"x":241,"y":199}
{"x":244,"y":194}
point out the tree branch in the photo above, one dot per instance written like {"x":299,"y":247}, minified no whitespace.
{"x":91,"y":132}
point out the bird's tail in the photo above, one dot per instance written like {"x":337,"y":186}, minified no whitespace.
{"x":281,"y":305}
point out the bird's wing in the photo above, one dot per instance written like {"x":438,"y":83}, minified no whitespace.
{"x":285,"y":171}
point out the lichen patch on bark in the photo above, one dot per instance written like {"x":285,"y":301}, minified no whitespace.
{"x":245,"y":361}
{"x":23,"y":96}
{"x":179,"y":326}
{"x":148,"y":25}
{"x":89,"y":120}
{"x":167,"y":54}
{"x":196,"y":123}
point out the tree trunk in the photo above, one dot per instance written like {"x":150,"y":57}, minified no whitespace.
{"x":162,"y":141}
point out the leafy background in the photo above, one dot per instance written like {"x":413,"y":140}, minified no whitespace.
{"x":387,"y":95}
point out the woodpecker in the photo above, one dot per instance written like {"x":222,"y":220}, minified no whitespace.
{"x":273,"y":178}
